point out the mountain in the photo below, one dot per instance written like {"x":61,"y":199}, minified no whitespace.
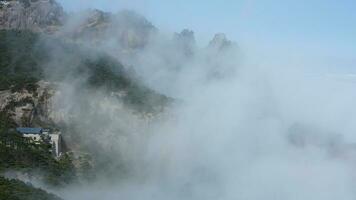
{"x":33,"y":68}
{"x":185,"y":40}
{"x":220,"y":42}
{"x":128,"y":29}
{"x":36,"y":15}
{"x":25,"y":59}
{"x":40,"y":54}
{"x":17,"y":190}
{"x":70,"y":72}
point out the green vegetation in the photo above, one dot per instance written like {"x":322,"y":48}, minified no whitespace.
{"x":5,"y":122}
{"x":21,"y":154}
{"x":26,"y":58}
{"x":19,"y":60}
{"x":103,"y":75}
{"x":17,"y":190}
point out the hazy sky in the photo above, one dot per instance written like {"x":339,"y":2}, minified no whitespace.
{"x":322,"y":31}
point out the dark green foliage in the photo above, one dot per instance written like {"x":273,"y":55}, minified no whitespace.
{"x":23,"y":154}
{"x":17,"y":190}
{"x":26,"y":58}
{"x":102,"y":74}
{"x":86,"y":170}
{"x":6,"y":122}
{"x":19,"y":60}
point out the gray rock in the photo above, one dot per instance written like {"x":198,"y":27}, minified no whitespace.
{"x":27,"y":108}
{"x":220,"y":42}
{"x":125,"y":30}
{"x":35,"y":15}
{"x":186,"y":41}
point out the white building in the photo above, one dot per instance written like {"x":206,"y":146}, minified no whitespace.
{"x":39,"y":134}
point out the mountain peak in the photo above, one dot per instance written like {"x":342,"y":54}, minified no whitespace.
{"x":186,"y":40}
{"x":220,"y":42}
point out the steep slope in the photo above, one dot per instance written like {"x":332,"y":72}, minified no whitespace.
{"x":26,"y":158}
{"x":26,"y":58}
{"x":35,"y":15}
{"x":126,"y":29}
{"x":33,"y":67}
{"x":17,"y":190}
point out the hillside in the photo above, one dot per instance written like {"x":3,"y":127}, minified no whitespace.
{"x":27,"y":57}
{"x":32,"y":65}
{"x":22,"y":155}
{"x":17,"y":190}
{"x":39,"y":16}
{"x":41,"y":66}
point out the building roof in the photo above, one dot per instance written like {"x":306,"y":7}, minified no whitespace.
{"x":26,"y":130}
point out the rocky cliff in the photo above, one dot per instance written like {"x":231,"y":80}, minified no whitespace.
{"x":36,"y":15}
{"x":29,"y":108}
{"x":123,"y":31}
{"x":127,"y":29}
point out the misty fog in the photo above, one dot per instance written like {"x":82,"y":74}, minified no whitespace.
{"x":240,"y":127}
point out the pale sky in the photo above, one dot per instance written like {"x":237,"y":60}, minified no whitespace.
{"x":321,"y":30}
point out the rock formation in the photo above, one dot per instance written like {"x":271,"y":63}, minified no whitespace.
{"x":220,"y":42}
{"x":186,"y":40}
{"x":28,"y":108}
{"x":36,"y":15}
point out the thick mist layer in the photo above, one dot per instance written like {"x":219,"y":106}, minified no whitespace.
{"x":237,"y":129}
{"x":260,"y":133}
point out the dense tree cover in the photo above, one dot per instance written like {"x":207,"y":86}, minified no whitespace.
{"x":22,"y":154}
{"x":19,"y":60}
{"x":27,"y":57}
{"x":5,"y":122}
{"x":102,"y":74}
{"x":17,"y":190}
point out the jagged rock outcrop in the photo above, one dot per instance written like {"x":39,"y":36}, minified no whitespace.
{"x":36,"y":15}
{"x":134,"y":30}
{"x":220,"y":42}
{"x":124,"y":32}
{"x":126,"y":29}
{"x":221,"y":56}
{"x":90,"y":24}
{"x":186,"y":41}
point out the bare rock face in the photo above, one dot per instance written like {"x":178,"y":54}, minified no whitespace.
{"x":220,"y":42}
{"x":28,"y":108}
{"x":88,"y":25}
{"x":134,"y":29}
{"x":186,"y":41}
{"x":126,"y":29}
{"x":35,"y":15}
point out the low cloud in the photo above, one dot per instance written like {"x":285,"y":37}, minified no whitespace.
{"x":239,"y":129}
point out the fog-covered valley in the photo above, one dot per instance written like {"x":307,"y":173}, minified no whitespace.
{"x":145,"y":113}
